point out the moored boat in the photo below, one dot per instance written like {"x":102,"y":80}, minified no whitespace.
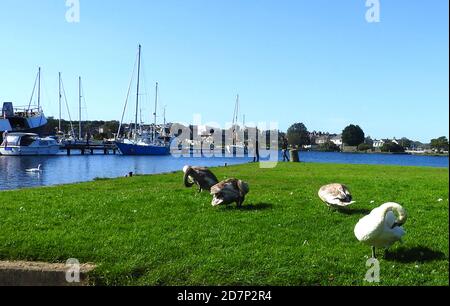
{"x":143,"y":142}
{"x":27,"y":144}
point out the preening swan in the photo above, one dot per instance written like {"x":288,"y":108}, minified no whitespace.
{"x":200,"y":176}
{"x":229,"y":191}
{"x":382,"y":228}
{"x":38,"y":169}
{"x":336,"y":195}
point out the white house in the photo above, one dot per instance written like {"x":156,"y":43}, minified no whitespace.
{"x":378,"y":143}
{"x":337,"y":140}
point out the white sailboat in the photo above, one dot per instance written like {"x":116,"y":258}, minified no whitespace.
{"x":237,"y":145}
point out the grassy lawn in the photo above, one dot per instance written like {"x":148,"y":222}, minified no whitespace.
{"x":150,"y":230}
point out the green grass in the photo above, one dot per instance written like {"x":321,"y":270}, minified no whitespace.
{"x":150,"y":230}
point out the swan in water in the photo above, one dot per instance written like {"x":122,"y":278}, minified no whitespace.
{"x":382,"y":228}
{"x":229,"y":191}
{"x":200,"y":176}
{"x":38,"y":169}
{"x":336,"y":195}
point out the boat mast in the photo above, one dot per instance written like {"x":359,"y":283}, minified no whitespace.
{"x":39,"y":89}
{"x":165,"y":116}
{"x":79,"y":108}
{"x":137,"y":93}
{"x":60,"y":96}
{"x":235,"y":120}
{"x":154,"y":114}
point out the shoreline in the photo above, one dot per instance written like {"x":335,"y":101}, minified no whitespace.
{"x":178,"y":238}
{"x":100,"y":179}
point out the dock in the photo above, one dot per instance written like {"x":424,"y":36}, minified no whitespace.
{"x":86,"y":148}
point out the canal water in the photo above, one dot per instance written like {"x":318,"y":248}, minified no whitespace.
{"x":64,"y":170}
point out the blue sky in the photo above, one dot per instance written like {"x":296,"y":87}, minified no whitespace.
{"x":317,"y":62}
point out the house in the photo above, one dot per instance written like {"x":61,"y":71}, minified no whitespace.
{"x":378,"y":143}
{"x":337,"y":140}
{"x":322,"y":139}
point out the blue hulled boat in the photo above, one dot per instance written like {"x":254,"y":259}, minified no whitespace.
{"x":143,"y":142}
{"x":131,"y":148}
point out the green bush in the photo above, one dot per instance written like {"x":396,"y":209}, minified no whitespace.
{"x":329,"y":147}
{"x":392,"y":147}
{"x":364,"y":147}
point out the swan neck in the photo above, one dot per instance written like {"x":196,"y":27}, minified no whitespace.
{"x":396,"y":208}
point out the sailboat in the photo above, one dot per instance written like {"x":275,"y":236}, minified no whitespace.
{"x":143,"y":142}
{"x":236,"y":145}
{"x":62,"y":137}
{"x":29,"y":119}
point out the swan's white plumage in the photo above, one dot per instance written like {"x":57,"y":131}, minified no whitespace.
{"x":382,"y":228}
{"x":38,"y":169}
{"x":336,"y":195}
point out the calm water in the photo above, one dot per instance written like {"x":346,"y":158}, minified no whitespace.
{"x":64,"y":170}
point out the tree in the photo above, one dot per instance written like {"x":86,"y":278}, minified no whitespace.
{"x":329,"y":146}
{"x":353,"y":135}
{"x":392,"y":147}
{"x":365,"y":147}
{"x":406,"y":143}
{"x":298,"y":135}
{"x":440,"y":144}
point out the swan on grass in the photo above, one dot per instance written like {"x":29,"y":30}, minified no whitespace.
{"x":382,"y":227}
{"x":229,"y":191}
{"x":200,"y":176}
{"x":336,"y":196}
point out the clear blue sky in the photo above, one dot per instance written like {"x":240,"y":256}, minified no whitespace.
{"x":317,"y":62}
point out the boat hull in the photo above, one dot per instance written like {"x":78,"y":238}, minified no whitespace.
{"x":151,"y":150}
{"x":29,"y":151}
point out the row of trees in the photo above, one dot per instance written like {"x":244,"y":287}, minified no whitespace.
{"x":354,"y":136}
{"x":299,"y":136}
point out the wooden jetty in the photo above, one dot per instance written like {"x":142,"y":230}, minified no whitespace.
{"x":86,"y":148}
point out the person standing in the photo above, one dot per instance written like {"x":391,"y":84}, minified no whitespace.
{"x":284,"y":148}
{"x":256,"y":157}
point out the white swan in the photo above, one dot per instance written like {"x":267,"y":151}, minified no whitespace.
{"x":336,"y":195}
{"x":38,"y":169}
{"x":382,"y":228}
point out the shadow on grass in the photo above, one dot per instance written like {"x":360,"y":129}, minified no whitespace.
{"x":250,"y":207}
{"x":416,"y":254}
{"x":351,"y":212}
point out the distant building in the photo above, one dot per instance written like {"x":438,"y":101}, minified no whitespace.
{"x":378,"y":143}
{"x":337,"y":140}
{"x":322,"y":139}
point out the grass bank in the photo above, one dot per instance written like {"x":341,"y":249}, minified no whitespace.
{"x":150,"y":230}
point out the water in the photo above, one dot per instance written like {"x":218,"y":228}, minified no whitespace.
{"x":64,"y":170}
{"x":375,"y":159}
